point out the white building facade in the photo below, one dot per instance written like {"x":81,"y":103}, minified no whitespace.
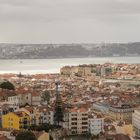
{"x":23,"y":99}
{"x":76,"y":121}
{"x":136,"y":123}
{"x":96,"y":124}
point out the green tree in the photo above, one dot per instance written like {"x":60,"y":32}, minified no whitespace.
{"x":7,"y":85}
{"x":33,"y":127}
{"x":26,"y":135}
{"x":58,"y":116}
{"x":42,"y":127}
{"x":58,"y":112}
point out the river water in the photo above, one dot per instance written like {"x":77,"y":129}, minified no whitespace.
{"x":32,"y":66}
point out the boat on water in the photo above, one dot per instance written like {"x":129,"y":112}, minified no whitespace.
{"x":20,"y":61}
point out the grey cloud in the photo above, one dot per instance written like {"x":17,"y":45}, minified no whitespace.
{"x":29,"y":19}
{"x":65,"y":9}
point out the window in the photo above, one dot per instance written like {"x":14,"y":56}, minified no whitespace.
{"x":73,"y":127}
{"x":84,"y":127}
{"x":74,"y":123}
{"x":74,"y":132}
{"x":84,"y":132}
{"x":74,"y":119}
{"x":84,"y":118}
{"x":84,"y":123}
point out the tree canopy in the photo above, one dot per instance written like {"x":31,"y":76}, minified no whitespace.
{"x":7,"y":85}
{"x":58,"y":116}
{"x":27,"y":135}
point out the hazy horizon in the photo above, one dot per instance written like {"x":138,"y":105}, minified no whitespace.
{"x":69,"y":43}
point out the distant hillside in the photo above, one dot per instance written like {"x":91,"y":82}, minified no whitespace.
{"x":40,"y":51}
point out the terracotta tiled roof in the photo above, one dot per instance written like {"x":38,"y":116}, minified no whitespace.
{"x":122,"y":137}
{"x":3,"y":138}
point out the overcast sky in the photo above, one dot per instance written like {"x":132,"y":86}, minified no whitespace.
{"x":69,"y":21}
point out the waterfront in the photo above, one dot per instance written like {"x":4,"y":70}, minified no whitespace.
{"x":31,"y":66}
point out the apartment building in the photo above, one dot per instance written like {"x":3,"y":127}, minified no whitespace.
{"x":96,"y":124}
{"x":26,"y":98}
{"x":39,"y":114}
{"x":76,"y":121}
{"x":20,"y":99}
{"x":136,"y":123}
{"x":16,"y":120}
{"x":121,"y":113}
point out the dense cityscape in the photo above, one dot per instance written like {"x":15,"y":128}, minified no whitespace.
{"x":69,"y":69}
{"x":96,"y":101}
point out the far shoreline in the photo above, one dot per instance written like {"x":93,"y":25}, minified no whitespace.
{"x":68,"y":57}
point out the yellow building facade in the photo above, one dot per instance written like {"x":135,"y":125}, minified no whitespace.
{"x":16,"y":120}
